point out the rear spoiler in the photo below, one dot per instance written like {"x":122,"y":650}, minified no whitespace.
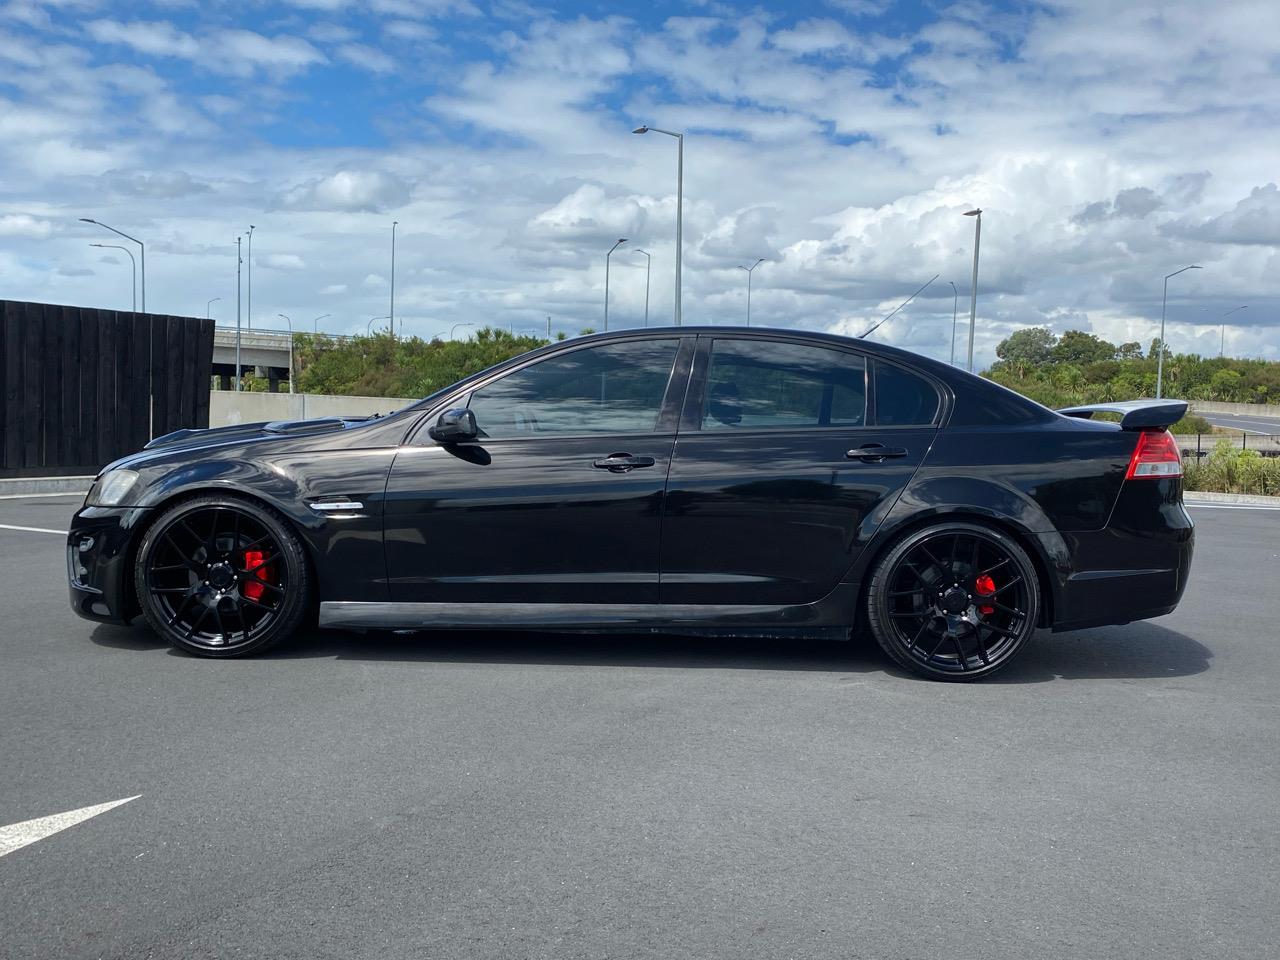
{"x":1135,"y":414}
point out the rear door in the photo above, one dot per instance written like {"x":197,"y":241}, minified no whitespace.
{"x":560,"y":499}
{"x":790,"y":454}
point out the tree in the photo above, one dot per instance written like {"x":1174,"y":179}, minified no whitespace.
{"x":1029,"y":347}
{"x":1078,"y":347}
{"x":1129,"y":351}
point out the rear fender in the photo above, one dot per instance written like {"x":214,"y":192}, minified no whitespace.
{"x":942,"y":499}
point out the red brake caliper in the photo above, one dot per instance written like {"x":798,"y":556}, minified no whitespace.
{"x":253,"y":561}
{"x":985,"y":587}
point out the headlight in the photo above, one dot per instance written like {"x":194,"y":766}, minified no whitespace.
{"x":110,"y":489}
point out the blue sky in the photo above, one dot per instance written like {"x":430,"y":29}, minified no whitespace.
{"x":1108,"y":143}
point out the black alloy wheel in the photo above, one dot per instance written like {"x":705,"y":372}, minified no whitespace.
{"x":222,"y":577}
{"x":954,"y":601}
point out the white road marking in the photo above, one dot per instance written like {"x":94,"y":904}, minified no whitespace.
{"x":10,"y":526}
{"x":18,"y":835}
{"x":1230,"y":506}
{"x":39,"y":496}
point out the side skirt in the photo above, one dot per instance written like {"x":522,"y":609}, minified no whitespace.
{"x":819,"y":619}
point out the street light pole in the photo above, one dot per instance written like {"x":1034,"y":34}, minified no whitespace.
{"x":955,"y":309}
{"x":209,"y":305}
{"x":973,"y":290}
{"x":607,"y":256}
{"x":116,"y":246}
{"x":368,"y":327}
{"x":290,"y":322}
{"x":249,"y":293}
{"x":456,"y":326}
{"x":750,"y":270}
{"x":315,"y":324}
{"x":679,"y":203}
{"x":1222,"y":347}
{"x":648,"y":262}
{"x":239,"y":261}
{"x":393,"y":278}
{"x":1164,"y":302}
{"x":141,"y":245}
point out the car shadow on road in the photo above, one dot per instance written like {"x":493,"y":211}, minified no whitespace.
{"x":1135,"y":651}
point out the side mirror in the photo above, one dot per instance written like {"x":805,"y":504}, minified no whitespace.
{"x":454,"y":426}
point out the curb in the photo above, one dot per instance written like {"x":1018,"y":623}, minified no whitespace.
{"x":1257,"y":500}
{"x":37,"y":486}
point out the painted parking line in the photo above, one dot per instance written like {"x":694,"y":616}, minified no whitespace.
{"x":19,"y":835}
{"x":1229,"y":506}
{"x":39,"y":496}
{"x":10,"y":526}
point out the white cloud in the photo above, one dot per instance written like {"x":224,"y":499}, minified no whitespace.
{"x":366,"y":57}
{"x":243,"y":52}
{"x":156,"y":39}
{"x":23,"y":225}
{"x":281,"y":261}
{"x":351,"y":190}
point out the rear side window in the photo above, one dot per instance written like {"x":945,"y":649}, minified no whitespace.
{"x":902,"y":398}
{"x":764,"y":384}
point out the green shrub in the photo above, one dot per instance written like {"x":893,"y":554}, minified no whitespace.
{"x":1228,"y":469}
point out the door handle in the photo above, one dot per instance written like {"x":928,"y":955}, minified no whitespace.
{"x":622,"y":462}
{"x":876,"y":453}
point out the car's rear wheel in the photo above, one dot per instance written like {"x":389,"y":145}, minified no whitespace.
{"x":222,"y":577}
{"x":954,"y":601}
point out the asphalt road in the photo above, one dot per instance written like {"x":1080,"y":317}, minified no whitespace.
{"x":1114,"y":793}
{"x":1251,"y":424}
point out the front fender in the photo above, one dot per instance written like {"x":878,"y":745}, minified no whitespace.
{"x":346,"y":550}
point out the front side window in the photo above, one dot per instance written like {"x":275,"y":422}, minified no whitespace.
{"x":763,"y":384}
{"x":610,"y":389}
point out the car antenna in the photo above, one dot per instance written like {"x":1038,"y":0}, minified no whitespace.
{"x":876,"y":325}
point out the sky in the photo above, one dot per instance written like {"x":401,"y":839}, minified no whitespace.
{"x":1108,"y":144}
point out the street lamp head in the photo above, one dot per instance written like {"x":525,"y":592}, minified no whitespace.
{"x":87,"y":220}
{"x":975,"y":212}
{"x":640,"y":130}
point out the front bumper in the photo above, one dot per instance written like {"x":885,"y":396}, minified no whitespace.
{"x":100,"y":560}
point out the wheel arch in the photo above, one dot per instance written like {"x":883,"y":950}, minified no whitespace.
{"x":173,"y":497}
{"x":887,"y":537}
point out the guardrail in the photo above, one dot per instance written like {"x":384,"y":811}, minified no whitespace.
{"x":1202,"y":444}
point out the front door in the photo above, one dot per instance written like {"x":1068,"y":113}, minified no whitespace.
{"x":559,"y":500}
{"x":782,"y":471}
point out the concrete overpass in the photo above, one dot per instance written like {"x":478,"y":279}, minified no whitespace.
{"x":264,"y":352}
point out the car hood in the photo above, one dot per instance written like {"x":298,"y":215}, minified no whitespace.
{"x":198,"y":439}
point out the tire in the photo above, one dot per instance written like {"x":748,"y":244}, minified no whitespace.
{"x":218,"y":576}
{"x":954,"y":601}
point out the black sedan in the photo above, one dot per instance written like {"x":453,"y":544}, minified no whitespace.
{"x":693,"y":480}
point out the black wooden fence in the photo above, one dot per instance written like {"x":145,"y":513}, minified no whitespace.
{"x":83,"y":386}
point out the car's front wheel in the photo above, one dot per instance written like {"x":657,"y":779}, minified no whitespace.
{"x":954,"y":601}
{"x":222,"y":577}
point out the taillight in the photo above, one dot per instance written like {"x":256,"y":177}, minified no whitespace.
{"x":1155,"y":457}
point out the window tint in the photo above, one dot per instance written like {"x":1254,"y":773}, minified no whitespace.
{"x":902,"y":398}
{"x":612,"y":388}
{"x":754,"y":384}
